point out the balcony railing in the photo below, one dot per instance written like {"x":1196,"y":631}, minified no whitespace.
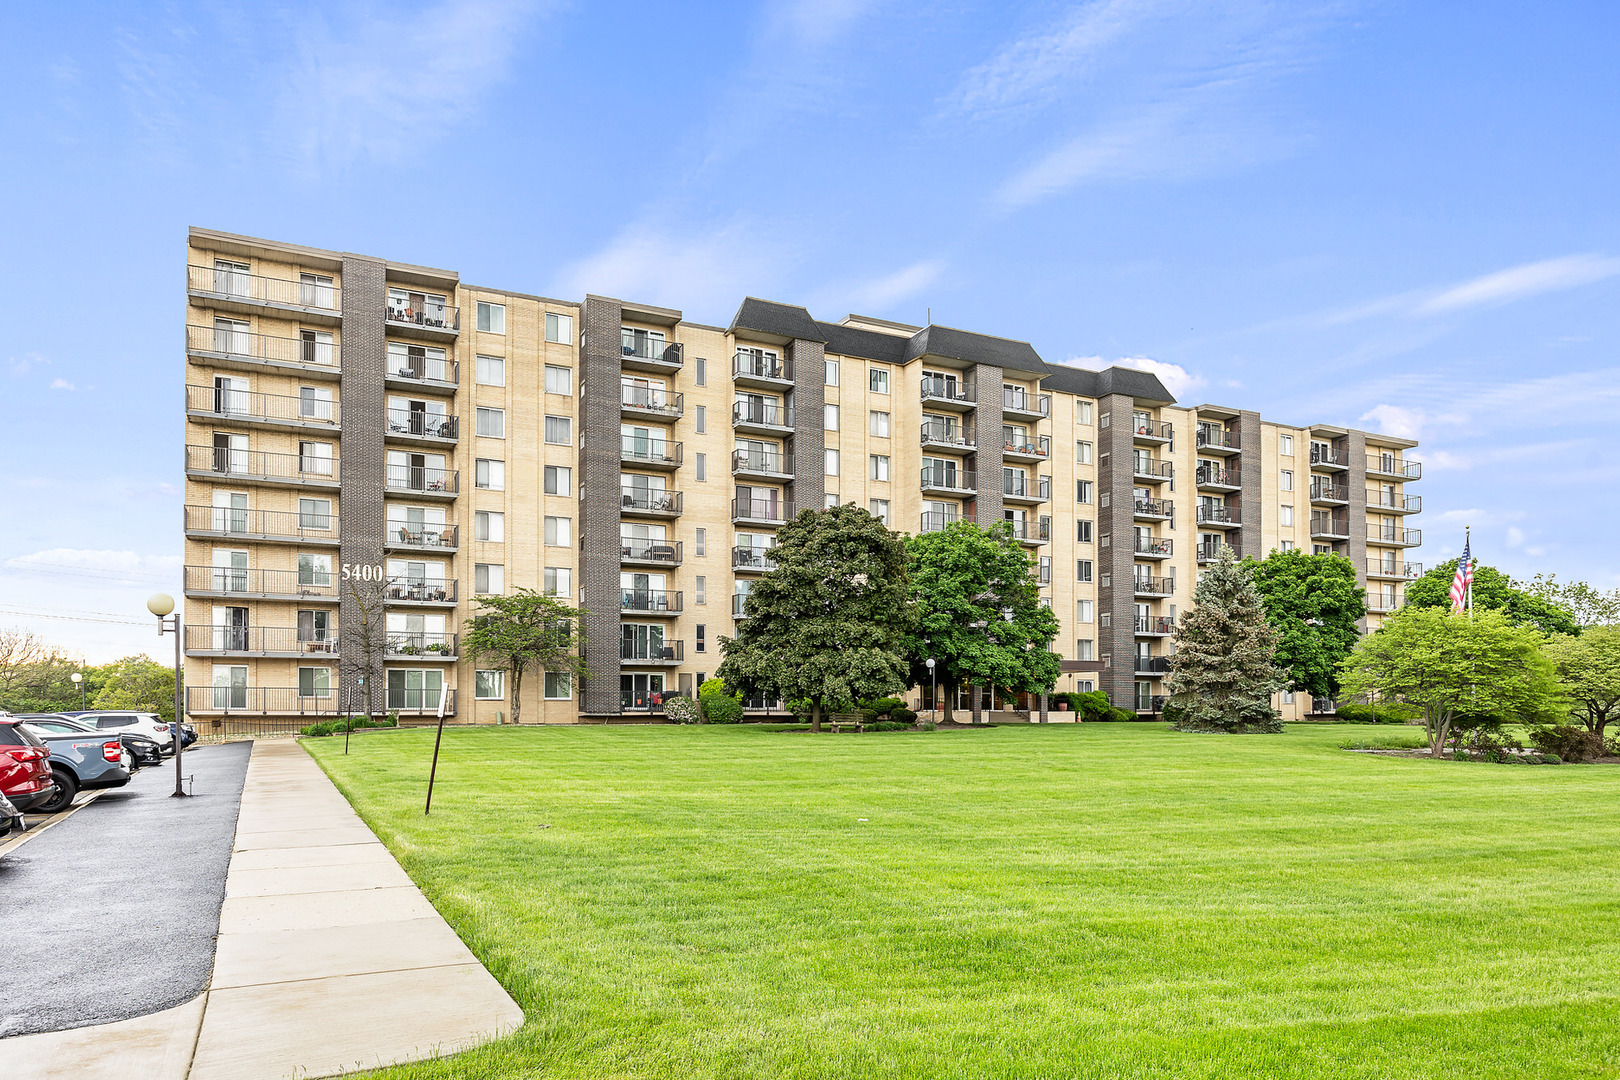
{"x":1152,"y":665}
{"x":747,"y":412}
{"x":649,"y":451}
{"x":1020,"y":401}
{"x":1219,"y":515}
{"x":1208,"y":553}
{"x":752,"y":558}
{"x":1409,"y":504}
{"x":1329,"y":455}
{"x":1155,"y":624}
{"x":244,"y":406}
{"x":643,"y":346}
{"x":959,"y":391}
{"x":418,"y":643}
{"x":651,"y":551}
{"x":1026,"y":487}
{"x":661,"y":650}
{"x":241,"y":345}
{"x":1380,"y":603}
{"x":1040,"y":448}
{"x":1330,"y":525}
{"x":261,"y":465}
{"x":1153,"y":508}
{"x":254,"y":582}
{"x":427,"y":425}
{"x":423,"y":368}
{"x":762,"y":461}
{"x":286,"y":525}
{"x":949,"y":479}
{"x":1216,"y":477}
{"x":263,"y":700}
{"x":651,"y":399}
{"x":240,"y":285}
{"x":959,"y":436}
{"x":420,"y":478}
{"x":1145,"y":585}
{"x":423,"y":590}
{"x":1394,"y":534}
{"x":934,"y":521}
{"x":650,"y":500}
{"x":285,"y":640}
{"x":746,"y":365}
{"x":426,"y":311}
{"x":1395,"y":568}
{"x":420,"y":536}
{"x":1214,"y":438}
{"x":772,"y":510}
{"x":1397,"y":467}
{"x":1328,"y":492}
{"x":1151,"y":469}
{"x":649,"y":601}
{"x":1150,"y":703}
{"x":1153,"y":545}
{"x":1158,"y":430}
{"x":738,"y":602}
{"x":1030,"y":530}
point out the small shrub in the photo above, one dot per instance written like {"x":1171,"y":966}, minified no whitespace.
{"x":1121,"y":716}
{"x":335,"y":727}
{"x":888,"y":725}
{"x":1385,"y":712}
{"x":927,"y":725}
{"x":1391,"y":741}
{"x":1551,"y":759}
{"x":1568,"y":742}
{"x":717,"y":705}
{"x":882,"y":705}
{"x":903,"y":715}
{"x":681,"y":709}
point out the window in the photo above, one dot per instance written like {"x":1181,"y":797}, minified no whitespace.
{"x":1285,"y":445}
{"x":878,"y":380}
{"x":702,"y":419}
{"x":1082,"y":453}
{"x":1083,"y":649}
{"x":489,"y":578}
{"x":560,"y":430}
{"x":313,"y":570}
{"x":492,"y":318}
{"x":830,"y":500}
{"x":312,"y":514}
{"x":1082,"y":412}
{"x":877,"y":423}
{"x":559,"y":480}
{"x":1082,"y":570}
{"x":560,"y":328}
{"x":559,"y":581}
{"x":313,"y":457}
{"x":880,"y":509}
{"x":489,"y":525}
{"x":701,"y":587}
{"x":490,"y":371}
{"x":558,"y":686}
{"x":559,"y":380}
{"x":702,"y":637}
{"x":314,"y":682}
{"x":702,"y":541}
{"x":1082,"y":491}
{"x":831,"y":463}
{"x":1084,"y":612}
{"x":1288,"y":480}
{"x":1287,"y":516}
{"x":702,"y":372}
{"x":1286,"y":545}
{"x":489,"y":685}
{"x":832,"y":372}
{"x":492,"y":423}
{"x":703,"y":466}
{"x":879,"y":468}
{"x":1287,"y":697}
{"x":1082,"y":532}
{"x":830,"y":417}
{"x":559,"y":532}
{"x":489,"y":474}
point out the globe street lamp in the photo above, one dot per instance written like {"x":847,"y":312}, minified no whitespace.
{"x":160,"y":604}
{"x":934,"y":675}
{"x":78,"y":680}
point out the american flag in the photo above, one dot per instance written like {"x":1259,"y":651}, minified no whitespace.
{"x":1460,"y":583}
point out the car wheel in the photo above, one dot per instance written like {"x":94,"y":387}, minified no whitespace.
{"x":66,"y":788}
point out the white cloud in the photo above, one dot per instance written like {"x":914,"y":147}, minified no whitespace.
{"x":1396,"y":420}
{"x":815,"y":22}
{"x":1515,"y":536}
{"x":882,"y":293}
{"x":708,"y":273}
{"x":1177,"y":379}
{"x":99,"y":560}
{"x":1518,"y":282}
{"x":20,"y":366}
{"x":61,"y":384}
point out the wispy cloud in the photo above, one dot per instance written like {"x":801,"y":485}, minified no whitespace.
{"x":1176,"y":379}
{"x":1518,"y":282}
{"x":62,"y":384}
{"x":717,"y":267}
{"x":21,"y":366}
{"x":877,"y":295}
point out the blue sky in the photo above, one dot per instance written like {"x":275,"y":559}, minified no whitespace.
{"x":1396,"y":216}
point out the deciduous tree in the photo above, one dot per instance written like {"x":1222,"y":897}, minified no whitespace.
{"x":1588,"y":668}
{"x":1493,"y":591}
{"x":1313,"y":603}
{"x":525,"y":631}
{"x":1223,"y":672}
{"x":1589,"y":606}
{"x":138,"y":683}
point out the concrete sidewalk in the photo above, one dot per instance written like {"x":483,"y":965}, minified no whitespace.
{"x":329,"y":960}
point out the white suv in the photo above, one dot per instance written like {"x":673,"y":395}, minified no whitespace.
{"x":147,"y":724}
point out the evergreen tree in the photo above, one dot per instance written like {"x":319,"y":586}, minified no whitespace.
{"x":1223,"y":672}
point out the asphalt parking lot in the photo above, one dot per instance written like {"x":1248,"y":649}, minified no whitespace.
{"x":113,"y":912}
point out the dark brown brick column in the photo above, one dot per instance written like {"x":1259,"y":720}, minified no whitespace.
{"x":1251,"y":474}
{"x":987,"y":460}
{"x":598,"y":539}
{"x":361,"y":459}
{"x":1356,"y":480}
{"x":809,"y":441}
{"x":1116,"y":551}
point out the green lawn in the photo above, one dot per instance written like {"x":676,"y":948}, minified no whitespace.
{"x":1100,"y":901}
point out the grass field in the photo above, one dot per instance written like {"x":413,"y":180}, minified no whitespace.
{"x":1035,"y":902}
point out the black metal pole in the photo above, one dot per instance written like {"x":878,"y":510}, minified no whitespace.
{"x":433,"y":772}
{"x":179,"y":711}
{"x":348,"y":717}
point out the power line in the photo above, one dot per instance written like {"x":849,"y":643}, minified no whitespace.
{"x":95,"y":617}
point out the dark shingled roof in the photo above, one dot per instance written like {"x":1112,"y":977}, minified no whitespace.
{"x":1114,"y":380}
{"x":781,"y":320}
{"x":973,"y":348}
{"x":866,"y":344}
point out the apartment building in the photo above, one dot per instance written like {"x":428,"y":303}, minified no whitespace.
{"x":372,"y":444}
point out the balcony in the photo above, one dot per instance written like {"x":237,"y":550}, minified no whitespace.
{"x":753,"y":418}
{"x":421,"y":315}
{"x":261,"y":641}
{"x":1392,"y":467}
{"x":219,"y":464}
{"x":226,"y":347}
{"x":1153,"y":432}
{"x":739,"y":603}
{"x":1025,"y":489}
{"x":1152,"y":547}
{"x":1219,"y":517}
{"x":1152,"y":509}
{"x":294,"y":702}
{"x":1150,"y":703}
{"x":1394,"y":569}
{"x":951,"y":482}
{"x":763,"y":372}
{"x":654,"y":553}
{"x":644,"y":352}
{"x":1329,"y":457}
{"x":312,"y":298}
{"x":1395,"y":535}
{"x":422,"y":428}
{"x":1208,"y":553}
{"x":402,"y":536}
{"x":423,"y":482}
{"x":1152,"y":665}
{"x":413,"y":372}
{"x":955,"y":395}
{"x":421,"y":592}
{"x":767,"y":512}
{"x":934,"y":521}
{"x":1209,"y":478}
{"x":1148,"y":586}
{"x":649,"y":453}
{"x":241,"y":583}
{"x":417,"y":645}
{"x":1155,"y":626}
{"x":1150,"y":470}
{"x":1330,"y":526}
{"x":951,"y":438}
{"x":1032,"y":533}
{"x":1022,"y":405}
{"x":1032,"y":452}
{"x":1381,"y":603}
{"x":649,"y":602}
{"x":752,"y":560}
{"x":269,"y":526}
{"x":649,"y":503}
{"x":1216,"y":441}
{"x":1326,"y":491}
{"x":656,"y":653}
{"x":1396,"y":503}
{"x":762,"y":465}
{"x":649,"y":403}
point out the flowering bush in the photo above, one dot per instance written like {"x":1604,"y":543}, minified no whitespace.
{"x":680,"y":710}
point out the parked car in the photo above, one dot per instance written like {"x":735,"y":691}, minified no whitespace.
{"x":11,"y":819}
{"x":147,"y":724}
{"x":25,"y":766}
{"x":143,"y":750}
{"x":82,"y":761}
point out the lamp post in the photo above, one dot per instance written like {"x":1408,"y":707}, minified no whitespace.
{"x":78,"y":680}
{"x":934,"y":676}
{"x":160,"y":604}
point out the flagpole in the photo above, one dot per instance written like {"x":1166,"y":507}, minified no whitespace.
{"x":1468,"y":546}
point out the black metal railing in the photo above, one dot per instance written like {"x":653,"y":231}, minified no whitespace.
{"x":421,"y":536}
{"x":1152,"y":665}
{"x":644,"y":346}
{"x":1220,"y":438}
{"x":762,"y":461}
{"x":246,"y":582}
{"x":774,"y":510}
{"x":1157,"y":508}
{"x":310,"y":291}
{"x":752,"y":558}
{"x":311,"y":703}
{"x":658,"y":551}
{"x":287,"y":640}
{"x":935,"y":388}
{"x":649,"y":600}
{"x":1390,"y":465}
{"x":1219,"y":515}
{"x":1146,"y":585}
{"x":261,"y":465}
{"x":1411,"y":571}
{"x":1041,"y":447}
{"x":1208,"y":553}
{"x":940,"y":434}
{"x":1207,"y":476}
{"x":1394,"y":534}
{"x":423,"y":590}
{"x":227,"y":405}
{"x":418,"y":422}
{"x":1329,"y":455}
{"x":262,"y":524}
{"x":739,"y":602}
{"x":1155,"y":624}
{"x":1153,"y":545}
{"x":237,"y":344}
{"x":1381,"y":602}
{"x":422,"y":479}
{"x":1410,"y":504}
{"x":949,"y":479}
{"x":650,"y":500}
{"x":760,"y":366}
{"x":934,"y":521}
{"x":651,"y":651}
{"x":1026,"y":487}
{"x":427,"y":310}
{"x":752,"y":412}
{"x":1030,"y":530}
{"x":418,"y":643}
{"x":1330,"y":525}
{"x":651,"y":399}
{"x":633,"y":448}
{"x":1022,"y":401}
{"x":1329,"y":492}
{"x":1155,"y":429}
{"x":1150,"y":468}
{"x":423,"y":367}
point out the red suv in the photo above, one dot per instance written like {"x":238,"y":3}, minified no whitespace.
{"x":25,"y":766}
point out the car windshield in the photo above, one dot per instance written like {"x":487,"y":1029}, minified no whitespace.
{"x":17,"y":735}
{"x":53,"y":725}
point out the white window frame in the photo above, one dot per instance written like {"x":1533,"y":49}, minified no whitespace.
{"x":489,"y":526}
{"x":494,"y":470}
{"x":559,"y":480}
{"x":482,"y":677}
{"x":878,"y":423}
{"x":559,"y":531}
{"x":562,"y":326}
{"x":878,"y":380}
{"x":496,"y":418}
{"x":484,"y":366}
{"x":829,"y":417}
{"x":830,"y":462}
{"x":878,"y":468}
{"x":558,"y":581}
{"x":491,"y":313}
{"x":555,"y":374}
{"x":494,"y":579}
{"x":830,"y":372}
{"x":566,"y":423}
